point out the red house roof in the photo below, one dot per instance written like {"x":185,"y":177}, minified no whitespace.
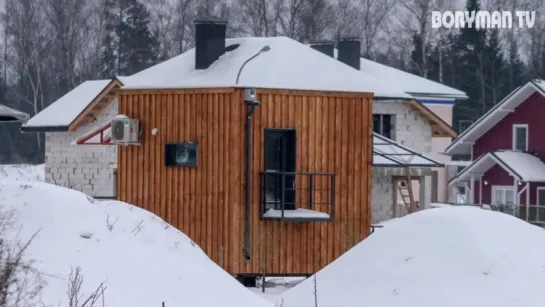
{"x":463,"y":143}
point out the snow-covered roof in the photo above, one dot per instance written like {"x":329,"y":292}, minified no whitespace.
{"x":416,"y":86}
{"x":8,"y":114}
{"x":463,"y":143}
{"x":521,"y":165}
{"x":387,"y":153}
{"x":287,"y":65}
{"x":61,"y":113}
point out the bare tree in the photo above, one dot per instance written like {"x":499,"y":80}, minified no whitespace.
{"x":29,"y":43}
{"x":67,"y":23}
{"x":20,"y":282}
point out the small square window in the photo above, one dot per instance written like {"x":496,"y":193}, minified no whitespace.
{"x":382,"y":124}
{"x":181,"y":154}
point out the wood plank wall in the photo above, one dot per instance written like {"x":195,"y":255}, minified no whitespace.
{"x":207,"y":203}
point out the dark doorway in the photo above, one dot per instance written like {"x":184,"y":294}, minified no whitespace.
{"x":280,"y":151}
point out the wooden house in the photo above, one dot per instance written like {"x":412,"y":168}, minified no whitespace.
{"x":507,"y":148}
{"x":259,"y":149}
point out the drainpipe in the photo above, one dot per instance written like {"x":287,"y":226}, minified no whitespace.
{"x":252,"y":104}
{"x":250,"y":98}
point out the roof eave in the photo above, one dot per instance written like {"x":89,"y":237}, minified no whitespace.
{"x":44,"y":129}
{"x":440,"y":95}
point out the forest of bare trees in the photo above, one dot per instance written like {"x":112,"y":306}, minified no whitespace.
{"x":50,"y":46}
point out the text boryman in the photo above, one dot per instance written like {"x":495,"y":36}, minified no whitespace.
{"x":482,"y":19}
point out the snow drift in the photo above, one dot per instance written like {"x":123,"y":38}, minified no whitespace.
{"x":22,"y":172}
{"x":141,"y":260}
{"x":452,"y":256}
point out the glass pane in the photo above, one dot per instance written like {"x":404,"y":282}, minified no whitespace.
{"x":509,"y":197}
{"x":387,"y":126}
{"x":498,"y":197}
{"x":520,"y":138}
{"x":541,"y":197}
{"x":376,"y":123}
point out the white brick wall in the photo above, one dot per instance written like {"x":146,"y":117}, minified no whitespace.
{"x":411,"y":131}
{"x":86,"y":168}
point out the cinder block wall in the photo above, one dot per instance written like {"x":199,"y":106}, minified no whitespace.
{"x":86,"y":168}
{"x":412,"y":132}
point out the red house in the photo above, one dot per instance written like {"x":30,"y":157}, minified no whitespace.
{"x":507,"y":148}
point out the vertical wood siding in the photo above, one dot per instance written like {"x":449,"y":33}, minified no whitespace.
{"x":207,"y":202}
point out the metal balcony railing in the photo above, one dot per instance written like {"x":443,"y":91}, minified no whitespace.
{"x":297,"y":196}
{"x":534,"y":214}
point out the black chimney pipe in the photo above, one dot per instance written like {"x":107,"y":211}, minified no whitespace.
{"x":209,"y":40}
{"x":325,"y":47}
{"x":348,"y":49}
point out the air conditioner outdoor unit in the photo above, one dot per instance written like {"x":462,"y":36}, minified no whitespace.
{"x":125,"y":131}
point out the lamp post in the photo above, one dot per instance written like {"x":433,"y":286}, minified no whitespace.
{"x":252,"y":102}
{"x":264,"y":49}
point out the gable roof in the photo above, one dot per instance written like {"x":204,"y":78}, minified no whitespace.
{"x":287,"y":65}
{"x":8,"y":114}
{"x":69,"y":111}
{"x":463,"y":143}
{"x":521,"y":165}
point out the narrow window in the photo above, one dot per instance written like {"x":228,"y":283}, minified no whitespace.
{"x":520,"y":137}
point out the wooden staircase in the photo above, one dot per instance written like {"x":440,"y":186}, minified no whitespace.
{"x":406,"y":191}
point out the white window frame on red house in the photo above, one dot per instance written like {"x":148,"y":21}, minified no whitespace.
{"x":503,"y":188}
{"x":515,"y":127}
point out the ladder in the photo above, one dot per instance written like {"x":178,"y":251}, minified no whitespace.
{"x":406,"y":191}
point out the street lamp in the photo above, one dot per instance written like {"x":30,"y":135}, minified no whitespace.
{"x":264,"y":49}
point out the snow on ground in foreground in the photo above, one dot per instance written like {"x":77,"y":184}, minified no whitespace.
{"x":452,"y":256}
{"x":22,"y":172}
{"x":142,"y":260}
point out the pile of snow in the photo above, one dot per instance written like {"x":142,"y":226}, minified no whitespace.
{"x":452,"y":256}
{"x":141,"y":260}
{"x":22,"y":172}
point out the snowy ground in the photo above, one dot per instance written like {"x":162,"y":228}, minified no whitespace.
{"x":24,"y":172}
{"x":446,"y":256}
{"x":452,"y":256}
{"x":141,"y":260}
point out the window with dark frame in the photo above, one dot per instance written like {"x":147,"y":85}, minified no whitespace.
{"x":382,"y":124}
{"x":181,"y":154}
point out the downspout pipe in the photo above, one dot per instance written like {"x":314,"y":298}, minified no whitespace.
{"x":248,"y":170}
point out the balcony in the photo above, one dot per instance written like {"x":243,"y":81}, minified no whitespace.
{"x":533,"y":214}
{"x":297,"y":197}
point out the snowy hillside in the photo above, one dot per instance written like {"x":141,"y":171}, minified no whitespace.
{"x":448,"y":257}
{"x":24,"y":172}
{"x":141,"y":260}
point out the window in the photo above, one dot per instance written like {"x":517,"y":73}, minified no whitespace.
{"x":463,"y":124}
{"x":181,"y":154}
{"x":503,"y":195}
{"x":382,"y":124}
{"x":504,"y":198}
{"x":520,"y":137}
